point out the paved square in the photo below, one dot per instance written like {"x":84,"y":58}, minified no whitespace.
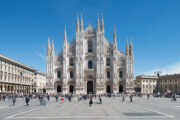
{"x":152,"y":109}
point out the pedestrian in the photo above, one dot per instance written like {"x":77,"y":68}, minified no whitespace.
{"x":123,"y":98}
{"x":148,"y":96}
{"x":131,"y":98}
{"x":13,"y":99}
{"x":174,"y":97}
{"x":48,"y":97}
{"x":56,"y":98}
{"x":27,"y":100}
{"x":100,"y":100}
{"x":62,"y":100}
{"x":4,"y":97}
{"x":91,"y":101}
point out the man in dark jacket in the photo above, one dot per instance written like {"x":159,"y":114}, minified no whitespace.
{"x":27,"y":100}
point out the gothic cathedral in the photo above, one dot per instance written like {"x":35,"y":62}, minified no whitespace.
{"x":90,"y":64}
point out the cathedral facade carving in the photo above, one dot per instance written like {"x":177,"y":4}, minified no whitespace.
{"x":90,"y":63}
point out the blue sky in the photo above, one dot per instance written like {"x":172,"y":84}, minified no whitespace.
{"x":153,"y":25}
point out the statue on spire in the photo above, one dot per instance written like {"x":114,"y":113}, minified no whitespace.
{"x":77,"y":24}
{"x":127,"y":47}
{"x":52,"y":48}
{"x":102,"y":23}
{"x":48,"y":47}
{"x":98,"y":23}
{"x":81,"y":24}
{"x":131,"y":47}
{"x":114,"y":35}
{"x":65,"y":36}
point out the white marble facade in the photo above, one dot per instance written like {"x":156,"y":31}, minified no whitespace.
{"x":90,"y":63}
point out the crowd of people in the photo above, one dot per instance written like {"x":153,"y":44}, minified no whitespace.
{"x":60,"y":98}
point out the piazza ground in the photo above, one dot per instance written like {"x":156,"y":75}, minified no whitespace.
{"x":111,"y":109}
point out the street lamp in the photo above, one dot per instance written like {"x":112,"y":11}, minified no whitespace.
{"x":158,"y":82}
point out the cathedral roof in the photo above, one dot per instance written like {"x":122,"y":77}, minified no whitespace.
{"x":90,"y":30}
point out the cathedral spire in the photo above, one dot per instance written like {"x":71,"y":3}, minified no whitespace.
{"x":98,"y":23}
{"x":48,"y":47}
{"x":65,"y":36}
{"x":115,"y":42}
{"x":77,"y":24}
{"x":81,"y":24}
{"x":52,"y":48}
{"x":102,"y":23}
{"x":127,"y":47}
{"x":131,"y":48}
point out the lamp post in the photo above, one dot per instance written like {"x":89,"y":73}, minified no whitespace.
{"x":158,"y":82}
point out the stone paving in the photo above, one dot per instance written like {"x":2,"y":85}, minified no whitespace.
{"x":141,"y":108}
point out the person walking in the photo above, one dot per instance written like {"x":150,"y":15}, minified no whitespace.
{"x":56,"y":98}
{"x":131,"y":98}
{"x":91,"y":101}
{"x":100,"y":100}
{"x":14,"y":99}
{"x":48,"y":97}
{"x":123,"y":98}
{"x":27,"y":100}
{"x":148,"y":96}
{"x":174,"y":97}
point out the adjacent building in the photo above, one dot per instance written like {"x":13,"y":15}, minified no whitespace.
{"x":146,"y":84}
{"x":170,"y":83}
{"x":15,"y":77}
{"x":90,"y":63}
{"x":39,"y":82}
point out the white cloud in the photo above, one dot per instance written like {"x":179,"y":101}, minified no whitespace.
{"x":170,"y":69}
{"x":40,"y":55}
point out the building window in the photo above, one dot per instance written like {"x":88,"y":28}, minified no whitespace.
{"x":71,"y":74}
{"x":108,"y":62}
{"x":59,"y":74}
{"x":120,"y":74}
{"x":89,"y":46}
{"x":71,"y":62}
{"x":108,"y":74}
{"x":89,"y":64}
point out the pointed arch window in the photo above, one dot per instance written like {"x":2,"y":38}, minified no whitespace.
{"x":120,"y":74}
{"x":71,"y":62}
{"x":108,"y":74}
{"x":58,"y":74}
{"x":89,"y":46}
{"x":89,"y":64}
{"x":71,"y":74}
{"x":108,"y":62}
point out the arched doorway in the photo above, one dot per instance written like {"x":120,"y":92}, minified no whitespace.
{"x":71,"y":89}
{"x":108,"y":89}
{"x":58,"y":88}
{"x":120,"y":88}
{"x":90,"y":87}
{"x":44,"y":90}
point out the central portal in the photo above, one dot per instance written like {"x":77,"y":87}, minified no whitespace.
{"x":90,"y":87}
